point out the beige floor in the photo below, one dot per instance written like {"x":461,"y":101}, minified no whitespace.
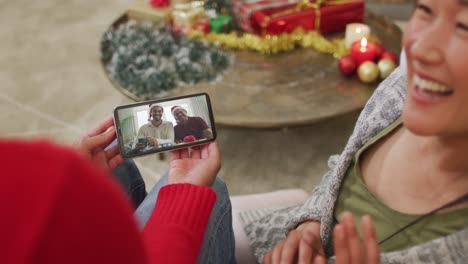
{"x":52,"y":86}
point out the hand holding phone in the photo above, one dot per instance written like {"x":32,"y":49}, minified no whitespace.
{"x":93,"y":145}
{"x":163,"y":125}
{"x":198,"y":166}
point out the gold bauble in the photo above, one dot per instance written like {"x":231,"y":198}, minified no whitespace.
{"x":368,"y":72}
{"x":386,"y":67}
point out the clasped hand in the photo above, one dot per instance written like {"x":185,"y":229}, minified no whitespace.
{"x":152,"y":141}
{"x":304,"y":245}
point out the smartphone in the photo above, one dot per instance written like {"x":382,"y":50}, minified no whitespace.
{"x":162,"y":125}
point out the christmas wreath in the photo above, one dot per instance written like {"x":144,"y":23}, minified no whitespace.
{"x":148,"y":59}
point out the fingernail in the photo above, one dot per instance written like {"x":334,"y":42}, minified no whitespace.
{"x":338,"y":231}
{"x":110,"y":129}
{"x":345,"y":216}
{"x":365,"y":218}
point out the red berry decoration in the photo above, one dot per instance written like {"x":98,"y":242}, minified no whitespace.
{"x":347,"y":65}
{"x":389,"y":56}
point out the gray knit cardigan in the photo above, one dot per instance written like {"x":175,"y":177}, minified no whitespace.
{"x":264,"y":228}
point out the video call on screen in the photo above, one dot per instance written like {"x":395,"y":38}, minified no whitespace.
{"x":160,"y":126}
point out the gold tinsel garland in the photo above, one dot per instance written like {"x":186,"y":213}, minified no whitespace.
{"x":272,"y":44}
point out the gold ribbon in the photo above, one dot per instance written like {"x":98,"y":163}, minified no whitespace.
{"x":304,"y":5}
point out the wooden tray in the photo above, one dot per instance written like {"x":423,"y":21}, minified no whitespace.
{"x":290,"y":89}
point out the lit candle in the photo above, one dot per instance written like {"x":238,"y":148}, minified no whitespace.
{"x":361,"y":52}
{"x":355,"y":32}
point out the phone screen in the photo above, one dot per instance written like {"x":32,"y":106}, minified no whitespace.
{"x":162,"y":125}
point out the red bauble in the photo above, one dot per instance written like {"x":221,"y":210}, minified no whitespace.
{"x":389,"y":56}
{"x":347,"y":65}
{"x":378,"y":49}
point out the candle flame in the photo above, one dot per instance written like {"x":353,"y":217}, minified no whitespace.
{"x":364,"y":42}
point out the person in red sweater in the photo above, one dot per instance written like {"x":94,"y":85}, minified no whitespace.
{"x":62,"y":207}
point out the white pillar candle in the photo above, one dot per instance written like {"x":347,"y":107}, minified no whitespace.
{"x":355,"y":32}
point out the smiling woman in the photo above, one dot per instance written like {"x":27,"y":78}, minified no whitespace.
{"x":405,"y":165}
{"x":434,"y":42}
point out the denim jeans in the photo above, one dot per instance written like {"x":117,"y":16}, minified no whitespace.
{"x":218,"y":242}
{"x":129,"y":177}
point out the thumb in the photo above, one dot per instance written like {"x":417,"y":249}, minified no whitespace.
{"x":102,"y":139}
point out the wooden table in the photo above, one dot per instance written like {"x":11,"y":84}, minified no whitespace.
{"x":290,"y":89}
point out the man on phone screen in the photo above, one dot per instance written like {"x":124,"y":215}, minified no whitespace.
{"x":157,"y":132}
{"x":189,"y":128}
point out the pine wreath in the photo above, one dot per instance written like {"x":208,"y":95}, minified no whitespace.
{"x":147,"y":59}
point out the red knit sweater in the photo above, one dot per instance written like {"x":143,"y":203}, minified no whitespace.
{"x":57,"y":207}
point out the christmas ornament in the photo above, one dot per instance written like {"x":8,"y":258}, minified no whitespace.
{"x":389,"y":55}
{"x":347,"y":65}
{"x":386,"y":67}
{"x":160,"y":3}
{"x":368,"y":72}
{"x":377,"y":48}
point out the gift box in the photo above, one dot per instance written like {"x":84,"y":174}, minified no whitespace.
{"x":142,"y":10}
{"x":324,"y":16}
{"x":203,"y":26}
{"x":221,"y":24}
{"x":187,"y":15}
{"x":243,"y":10}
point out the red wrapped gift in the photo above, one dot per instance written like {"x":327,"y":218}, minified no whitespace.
{"x":325,"y":16}
{"x":203,"y":25}
{"x":243,"y":9}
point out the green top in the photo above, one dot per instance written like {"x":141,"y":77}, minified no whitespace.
{"x":356,"y":198}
